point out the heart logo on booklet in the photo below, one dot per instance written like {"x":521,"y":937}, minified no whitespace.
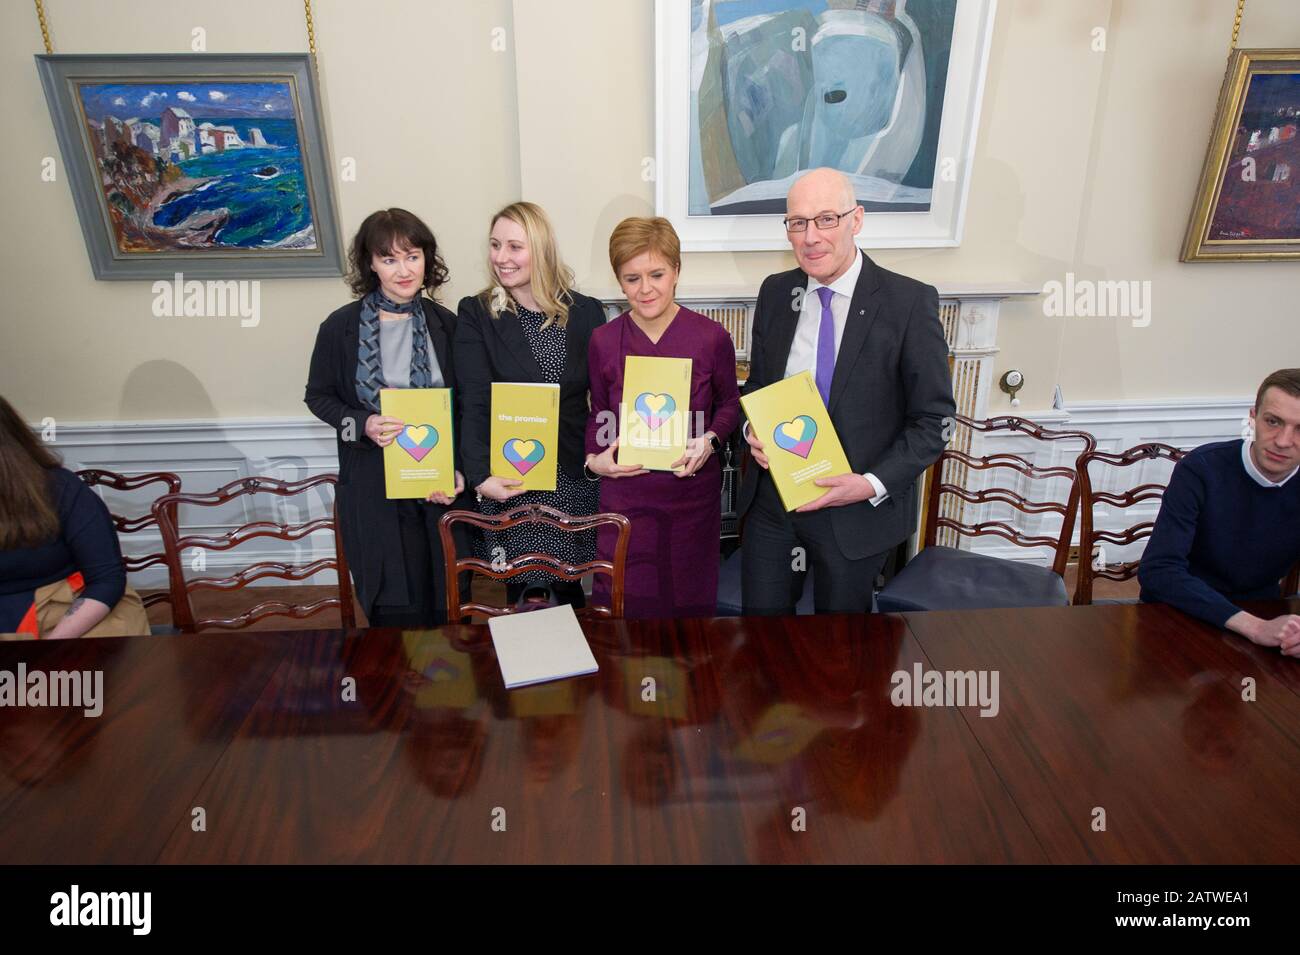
{"x":418,"y":440}
{"x":654,"y":409}
{"x":523,"y":455}
{"x":796,"y":436}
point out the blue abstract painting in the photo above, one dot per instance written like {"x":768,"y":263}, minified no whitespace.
{"x":782,"y":86}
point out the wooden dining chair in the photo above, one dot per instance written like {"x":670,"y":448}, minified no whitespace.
{"x":1093,"y":564}
{"x":175,"y":545}
{"x":1291,"y":585}
{"x":97,"y":477}
{"x":457,"y":610}
{"x":945,"y":577}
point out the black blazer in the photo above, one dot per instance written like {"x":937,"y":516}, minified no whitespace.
{"x":495,"y":349}
{"x":367,"y":519}
{"x":889,"y":397}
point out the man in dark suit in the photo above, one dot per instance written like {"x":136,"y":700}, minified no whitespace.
{"x":873,"y":342}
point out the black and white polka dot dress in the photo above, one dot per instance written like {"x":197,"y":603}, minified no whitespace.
{"x":572,"y":496}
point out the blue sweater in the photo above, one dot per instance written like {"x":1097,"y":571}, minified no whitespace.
{"x":1220,"y":537}
{"x":87,"y":542}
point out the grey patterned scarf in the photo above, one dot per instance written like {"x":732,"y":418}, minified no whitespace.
{"x":370,"y":366}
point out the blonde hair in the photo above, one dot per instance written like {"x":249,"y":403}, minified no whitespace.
{"x":552,"y":280}
{"x":639,"y":234}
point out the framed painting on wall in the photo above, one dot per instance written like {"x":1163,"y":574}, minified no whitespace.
{"x":753,"y":93}
{"x":1247,"y":205}
{"x":212,"y":165}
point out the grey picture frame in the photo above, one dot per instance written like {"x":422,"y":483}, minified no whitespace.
{"x":61,"y":75}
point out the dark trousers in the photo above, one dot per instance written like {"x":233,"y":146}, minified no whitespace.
{"x":426,"y":571}
{"x":776,"y":552}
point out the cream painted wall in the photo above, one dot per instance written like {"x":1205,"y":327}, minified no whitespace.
{"x":413,"y":92}
{"x":1086,"y":163}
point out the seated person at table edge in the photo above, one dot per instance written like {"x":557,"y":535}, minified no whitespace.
{"x":1229,"y":524}
{"x":52,"y":526}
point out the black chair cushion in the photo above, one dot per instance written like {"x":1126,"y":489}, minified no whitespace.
{"x":944,"y":578}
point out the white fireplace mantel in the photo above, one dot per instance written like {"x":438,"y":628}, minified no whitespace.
{"x":969,"y":313}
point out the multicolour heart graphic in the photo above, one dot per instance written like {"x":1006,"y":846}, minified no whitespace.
{"x":417,"y":440}
{"x":796,"y":436}
{"x":441,"y":671}
{"x":523,"y":454}
{"x":654,"y":409}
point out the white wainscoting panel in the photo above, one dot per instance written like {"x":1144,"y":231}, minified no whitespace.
{"x":1117,"y":425}
{"x":206,"y":455}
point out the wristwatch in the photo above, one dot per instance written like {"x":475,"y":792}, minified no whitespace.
{"x":717,"y":445}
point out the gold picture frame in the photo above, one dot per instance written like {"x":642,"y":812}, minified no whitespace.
{"x":1247,"y":206}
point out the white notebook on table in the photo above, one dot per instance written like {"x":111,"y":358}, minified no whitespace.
{"x":540,"y":645}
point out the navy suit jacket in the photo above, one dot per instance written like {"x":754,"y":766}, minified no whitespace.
{"x":890,"y":395}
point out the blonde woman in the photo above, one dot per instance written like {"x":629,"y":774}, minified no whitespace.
{"x":528,"y":325}
{"x":672,"y":560}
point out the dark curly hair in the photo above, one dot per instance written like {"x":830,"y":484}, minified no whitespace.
{"x":381,"y":233}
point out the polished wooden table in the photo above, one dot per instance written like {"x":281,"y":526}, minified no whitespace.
{"x":767,"y":740}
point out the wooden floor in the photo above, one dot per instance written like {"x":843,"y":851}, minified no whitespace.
{"x":486,"y":591}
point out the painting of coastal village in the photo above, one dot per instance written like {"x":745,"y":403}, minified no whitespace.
{"x":193,"y":166}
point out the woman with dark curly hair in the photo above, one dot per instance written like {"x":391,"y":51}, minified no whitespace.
{"x":392,"y":336}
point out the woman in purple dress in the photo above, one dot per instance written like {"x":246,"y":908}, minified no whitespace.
{"x":672,"y":559}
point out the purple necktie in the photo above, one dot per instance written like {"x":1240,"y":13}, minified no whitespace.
{"x":825,"y":346}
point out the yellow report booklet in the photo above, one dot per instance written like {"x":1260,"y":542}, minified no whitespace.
{"x":525,"y":433}
{"x":801,"y":445}
{"x":655,"y":414}
{"x":420,"y":461}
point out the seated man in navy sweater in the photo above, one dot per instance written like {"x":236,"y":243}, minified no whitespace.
{"x":1229,"y":525}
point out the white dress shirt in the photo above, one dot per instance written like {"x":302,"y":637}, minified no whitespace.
{"x":803,"y":350}
{"x":1249,"y":461}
